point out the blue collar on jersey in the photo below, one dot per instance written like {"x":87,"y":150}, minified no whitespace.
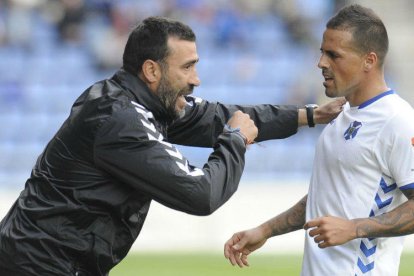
{"x":370,"y":101}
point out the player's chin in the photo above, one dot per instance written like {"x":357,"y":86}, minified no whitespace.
{"x":330,"y":93}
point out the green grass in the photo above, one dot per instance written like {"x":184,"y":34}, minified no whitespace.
{"x":199,"y":264}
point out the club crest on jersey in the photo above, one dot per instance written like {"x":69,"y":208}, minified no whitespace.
{"x":352,"y":130}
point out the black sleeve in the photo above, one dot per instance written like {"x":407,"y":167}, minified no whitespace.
{"x":133,"y":152}
{"x":206,"y":120}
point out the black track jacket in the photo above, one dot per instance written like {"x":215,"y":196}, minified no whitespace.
{"x":90,"y":190}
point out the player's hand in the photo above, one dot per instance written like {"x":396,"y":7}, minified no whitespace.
{"x":241,"y":244}
{"x":329,"y":231}
{"x":247,"y":127}
{"x":327,"y":112}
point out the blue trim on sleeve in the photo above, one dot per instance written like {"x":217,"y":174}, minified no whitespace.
{"x":407,"y":187}
{"x":370,"y":101}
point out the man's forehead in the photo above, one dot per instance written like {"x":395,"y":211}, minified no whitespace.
{"x":182,"y":49}
{"x":337,"y":38}
{"x":339,"y":35}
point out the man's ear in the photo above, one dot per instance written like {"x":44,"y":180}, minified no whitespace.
{"x":371,"y":61}
{"x":151,"y":71}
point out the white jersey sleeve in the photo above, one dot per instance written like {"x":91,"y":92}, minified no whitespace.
{"x":395,"y":150}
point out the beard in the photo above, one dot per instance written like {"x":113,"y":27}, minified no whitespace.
{"x":168,"y":96}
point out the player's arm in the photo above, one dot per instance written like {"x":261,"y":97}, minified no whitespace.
{"x":241,"y":244}
{"x":207,"y":119}
{"x":398,"y":222}
{"x":329,"y":231}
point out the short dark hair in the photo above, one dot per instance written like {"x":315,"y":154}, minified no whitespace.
{"x":148,"y":40}
{"x":368,"y":30}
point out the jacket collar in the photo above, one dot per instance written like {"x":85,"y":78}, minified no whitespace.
{"x":142,"y":94}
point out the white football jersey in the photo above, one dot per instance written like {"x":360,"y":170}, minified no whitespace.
{"x":363,"y":159}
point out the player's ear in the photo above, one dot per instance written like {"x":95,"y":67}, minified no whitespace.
{"x":151,"y":71}
{"x":370,"y":61}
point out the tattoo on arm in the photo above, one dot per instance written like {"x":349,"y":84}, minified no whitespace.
{"x":397,"y":222}
{"x":291,"y":220}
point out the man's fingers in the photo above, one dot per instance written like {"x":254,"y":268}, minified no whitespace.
{"x":315,"y":231}
{"x":232,"y":252}
{"x":312,"y":223}
{"x":233,"y":259}
{"x":227,"y":251}
{"x":244,"y":259}
{"x":318,"y":239}
{"x":307,"y":225}
{"x":235,"y":250}
{"x":231,"y":255}
{"x":238,"y":254}
{"x":323,"y":245}
{"x":228,"y":246}
{"x":342,"y":100}
{"x":238,"y":260}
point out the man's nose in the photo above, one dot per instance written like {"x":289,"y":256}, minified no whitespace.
{"x":322,"y":62}
{"x":195,"y":80}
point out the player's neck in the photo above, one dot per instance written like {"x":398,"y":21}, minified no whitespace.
{"x":363,"y":93}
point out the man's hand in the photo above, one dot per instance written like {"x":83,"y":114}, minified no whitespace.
{"x":329,"y":231}
{"x":327,"y":112}
{"x":246,"y":125}
{"x":241,"y":244}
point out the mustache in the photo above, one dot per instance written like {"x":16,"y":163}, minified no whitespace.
{"x":187,"y":91}
{"x":190,"y":88}
{"x":326,"y":73}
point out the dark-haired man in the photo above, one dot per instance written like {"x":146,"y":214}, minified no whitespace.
{"x":90,"y":190}
{"x":361,"y":194}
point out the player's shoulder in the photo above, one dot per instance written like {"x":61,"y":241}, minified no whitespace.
{"x":401,"y":110}
{"x":400,"y":116}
